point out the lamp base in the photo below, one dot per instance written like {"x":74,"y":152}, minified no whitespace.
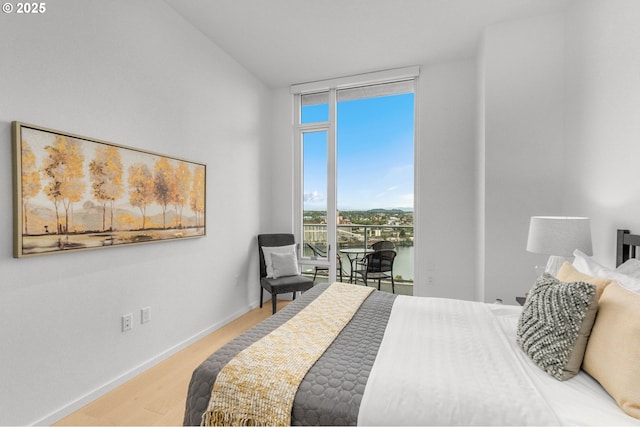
{"x":554,"y":263}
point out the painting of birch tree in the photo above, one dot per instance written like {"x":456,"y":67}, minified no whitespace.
{"x":74,"y":193}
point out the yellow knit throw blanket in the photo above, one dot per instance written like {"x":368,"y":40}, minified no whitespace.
{"x":257,"y":387}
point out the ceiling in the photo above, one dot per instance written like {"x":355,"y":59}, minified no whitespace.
{"x":283,"y":42}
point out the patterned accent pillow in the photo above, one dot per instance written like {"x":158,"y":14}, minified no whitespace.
{"x":555,"y":324}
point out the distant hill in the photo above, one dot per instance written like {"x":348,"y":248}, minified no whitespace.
{"x":377,"y":210}
{"x":390,"y":211}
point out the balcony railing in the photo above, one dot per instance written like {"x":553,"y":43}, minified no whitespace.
{"x":362,"y":236}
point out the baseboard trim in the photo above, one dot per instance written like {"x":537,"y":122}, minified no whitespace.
{"x":70,"y":408}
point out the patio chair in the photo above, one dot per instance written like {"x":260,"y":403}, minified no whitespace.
{"x":279,"y":285}
{"x":378,"y":265}
{"x":382,"y":244}
{"x":322,"y":254}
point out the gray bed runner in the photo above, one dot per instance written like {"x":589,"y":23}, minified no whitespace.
{"x":331,"y":392}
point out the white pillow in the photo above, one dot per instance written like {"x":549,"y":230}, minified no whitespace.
{"x":285,"y":264}
{"x":585,"y":264}
{"x":630,"y":267}
{"x":268,"y":250}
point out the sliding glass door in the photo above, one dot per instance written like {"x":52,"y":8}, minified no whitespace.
{"x":355,"y":170}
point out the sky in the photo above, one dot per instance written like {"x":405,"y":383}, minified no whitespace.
{"x":375,"y":154}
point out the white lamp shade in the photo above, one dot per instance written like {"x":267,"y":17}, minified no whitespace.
{"x":555,"y":235}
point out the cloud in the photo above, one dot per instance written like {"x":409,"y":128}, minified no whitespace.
{"x":313,"y":196}
{"x":400,"y":171}
{"x":387,"y":191}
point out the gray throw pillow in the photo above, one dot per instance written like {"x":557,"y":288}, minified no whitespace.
{"x":555,"y":324}
{"x":284,"y":264}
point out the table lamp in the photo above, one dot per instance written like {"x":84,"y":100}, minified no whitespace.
{"x":558,"y":237}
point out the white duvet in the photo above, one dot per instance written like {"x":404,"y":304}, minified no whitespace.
{"x":453,"y":362}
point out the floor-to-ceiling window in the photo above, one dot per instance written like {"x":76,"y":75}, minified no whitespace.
{"x":355,"y":175}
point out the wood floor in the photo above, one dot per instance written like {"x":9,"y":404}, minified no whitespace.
{"x":157,"y":396}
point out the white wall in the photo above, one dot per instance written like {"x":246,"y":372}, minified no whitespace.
{"x":522,"y":72}
{"x":281,"y":163}
{"x":445,"y":190}
{"x":133,"y":73}
{"x":480,"y":166}
{"x":603,"y":118}
{"x":557,"y":134}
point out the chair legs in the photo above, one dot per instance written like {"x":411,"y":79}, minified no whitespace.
{"x":261,"y":295}
{"x":364,"y":279}
{"x":315,"y":272}
{"x":393,"y":283}
{"x":274,"y":300}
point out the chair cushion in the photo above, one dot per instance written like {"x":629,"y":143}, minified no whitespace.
{"x":286,"y":284}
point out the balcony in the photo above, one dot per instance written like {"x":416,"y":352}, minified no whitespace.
{"x":362,"y":236}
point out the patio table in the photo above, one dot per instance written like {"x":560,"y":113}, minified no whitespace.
{"x":352,"y":256}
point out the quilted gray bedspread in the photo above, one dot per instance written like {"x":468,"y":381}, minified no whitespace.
{"x":331,"y":392}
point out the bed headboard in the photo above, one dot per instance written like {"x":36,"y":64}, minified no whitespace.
{"x":627,"y":246}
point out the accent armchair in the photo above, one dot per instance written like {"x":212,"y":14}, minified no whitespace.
{"x":279,"y":272}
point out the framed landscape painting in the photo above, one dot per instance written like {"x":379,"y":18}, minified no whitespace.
{"x":74,"y":193}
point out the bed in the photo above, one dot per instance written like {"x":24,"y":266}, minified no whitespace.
{"x":465,"y":363}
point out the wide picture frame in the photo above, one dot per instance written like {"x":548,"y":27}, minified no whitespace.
{"x":74,"y":193}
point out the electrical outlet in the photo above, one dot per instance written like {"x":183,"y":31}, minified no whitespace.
{"x":145,"y":315}
{"x":430,"y":277}
{"x":127,"y":322}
